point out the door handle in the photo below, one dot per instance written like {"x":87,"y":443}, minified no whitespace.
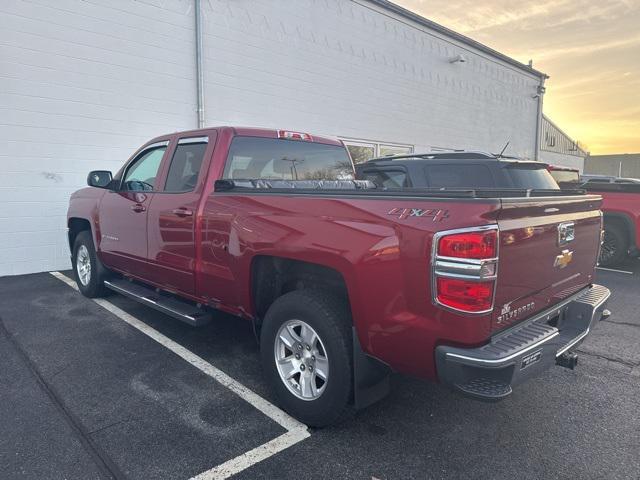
{"x":182,"y":212}
{"x":138,"y":208}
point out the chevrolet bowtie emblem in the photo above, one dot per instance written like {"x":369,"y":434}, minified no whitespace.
{"x":563,"y":259}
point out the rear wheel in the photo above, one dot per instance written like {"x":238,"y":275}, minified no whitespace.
{"x":89,"y":273}
{"x":615,"y":246}
{"x":306,"y":350}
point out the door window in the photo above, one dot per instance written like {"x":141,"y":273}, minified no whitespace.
{"x":185,"y":166}
{"x":142,"y":173}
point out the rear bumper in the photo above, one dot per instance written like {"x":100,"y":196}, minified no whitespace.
{"x":489,"y":372}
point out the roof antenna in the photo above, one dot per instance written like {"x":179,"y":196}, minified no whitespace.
{"x":502,"y":151}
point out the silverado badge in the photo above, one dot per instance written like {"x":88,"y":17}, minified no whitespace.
{"x":507,"y":313}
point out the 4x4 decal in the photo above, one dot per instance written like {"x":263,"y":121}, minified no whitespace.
{"x":436,"y":214}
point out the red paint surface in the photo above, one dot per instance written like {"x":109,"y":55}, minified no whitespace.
{"x":384,"y":259}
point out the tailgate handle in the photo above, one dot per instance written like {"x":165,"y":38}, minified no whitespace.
{"x":182,"y":212}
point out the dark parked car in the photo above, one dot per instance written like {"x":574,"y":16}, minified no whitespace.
{"x":472,"y":170}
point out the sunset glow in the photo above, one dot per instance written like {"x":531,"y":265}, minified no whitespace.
{"x":590,"y":49}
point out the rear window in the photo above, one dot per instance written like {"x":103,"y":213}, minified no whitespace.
{"x":386,"y":178}
{"x":280,"y":159}
{"x":528,"y":177}
{"x":562,"y":176}
{"x":459,"y":176}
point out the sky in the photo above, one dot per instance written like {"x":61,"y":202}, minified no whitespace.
{"x":590,"y":49}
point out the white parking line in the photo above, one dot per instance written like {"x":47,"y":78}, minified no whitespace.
{"x":614,"y":270}
{"x":296,"y":431}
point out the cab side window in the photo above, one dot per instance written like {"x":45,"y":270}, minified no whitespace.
{"x":185,"y":166}
{"x":392,"y":179}
{"x":459,"y":176}
{"x":141,"y":174}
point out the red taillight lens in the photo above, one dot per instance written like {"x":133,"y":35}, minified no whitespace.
{"x":476,"y":245}
{"x":464,"y":294}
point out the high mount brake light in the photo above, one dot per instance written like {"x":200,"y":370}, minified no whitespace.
{"x":464,"y":267}
{"x":294,"y":135}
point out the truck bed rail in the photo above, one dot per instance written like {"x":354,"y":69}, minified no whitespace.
{"x":366,"y":187}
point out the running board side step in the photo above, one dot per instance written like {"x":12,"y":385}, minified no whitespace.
{"x":171,"y":306}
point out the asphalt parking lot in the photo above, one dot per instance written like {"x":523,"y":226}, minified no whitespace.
{"x":84,"y":394}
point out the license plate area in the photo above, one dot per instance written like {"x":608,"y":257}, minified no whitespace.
{"x":530,"y":359}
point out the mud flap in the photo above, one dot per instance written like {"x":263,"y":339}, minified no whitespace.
{"x":370,"y":377}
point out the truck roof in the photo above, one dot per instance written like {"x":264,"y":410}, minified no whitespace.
{"x":251,"y":132}
{"x":467,"y":155}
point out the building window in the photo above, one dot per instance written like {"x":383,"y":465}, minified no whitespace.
{"x":386,"y":150}
{"x":363,"y":151}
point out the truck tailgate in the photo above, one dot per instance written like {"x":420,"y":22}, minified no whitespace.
{"x":548,"y":250}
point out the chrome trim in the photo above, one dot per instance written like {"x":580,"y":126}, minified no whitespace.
{"x":187,"y":140}
{"x":462,"y":269}
{"x":147,"y":301}
{"x":580,"y":337}
{"x":462,"y":265}
{"x":507,"y":358}
{"x":601,"y":237}
{"x":566,"y":233}
{"x":164,"y":143}
{"x":545,"y":314}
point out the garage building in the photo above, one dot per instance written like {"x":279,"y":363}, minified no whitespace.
{"x":85,"y":82}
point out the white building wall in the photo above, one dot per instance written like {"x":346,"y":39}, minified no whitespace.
{"x":83,"y":83}
{"x":348,"y":69}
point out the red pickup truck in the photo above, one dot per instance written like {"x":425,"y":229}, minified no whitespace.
{"x":344,"y":282}
{"x":620,"y":208}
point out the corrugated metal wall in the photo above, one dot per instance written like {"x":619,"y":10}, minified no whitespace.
{"x":628,"y":164}
{"x":84,"y":82}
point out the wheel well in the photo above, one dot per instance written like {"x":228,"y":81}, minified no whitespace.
{"x":77,"y":225}
{"x":272,"y":277}
{"x":622,"y":222}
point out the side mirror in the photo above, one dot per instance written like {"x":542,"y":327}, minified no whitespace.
{"x":99,"y":178}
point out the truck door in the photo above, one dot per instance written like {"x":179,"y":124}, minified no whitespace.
{"x":123,"y":212}
{"x":173,"y":215}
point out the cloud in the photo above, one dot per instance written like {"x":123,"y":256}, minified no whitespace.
{"x":549,"y":53}
{"x":590,"y":48}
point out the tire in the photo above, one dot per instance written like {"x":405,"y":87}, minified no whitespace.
{"x":615,"y":246}
{"x":328,"y":317}
{"x":88,"y":271}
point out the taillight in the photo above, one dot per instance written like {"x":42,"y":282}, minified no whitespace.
{"x":465,"y":268}
{"x":476,"y":245}
{"x":465,"y":295}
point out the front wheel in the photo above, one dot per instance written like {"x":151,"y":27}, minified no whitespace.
{"x":306,"y":350}
{"x":87,"y":269}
